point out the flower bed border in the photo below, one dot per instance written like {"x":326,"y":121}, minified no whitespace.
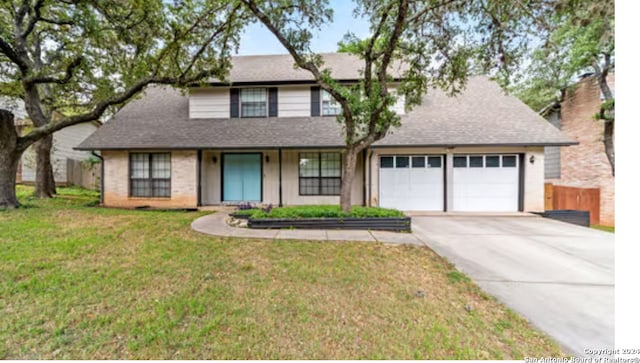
{"x":401,"y":224}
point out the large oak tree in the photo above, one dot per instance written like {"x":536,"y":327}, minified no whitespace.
{"x":435,"y":43}
{"x":80,"y":60}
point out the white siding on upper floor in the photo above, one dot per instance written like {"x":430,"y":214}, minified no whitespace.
{"x":209,"y":103}
{"x":294,"y":101}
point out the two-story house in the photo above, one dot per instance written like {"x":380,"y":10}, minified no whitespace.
{"x":269,"y":135}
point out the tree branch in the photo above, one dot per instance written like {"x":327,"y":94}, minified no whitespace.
{"x":429,"y":9}
{"x":8,"y":51}
{"x":67,"y":77}
{"x":32,"y":22}
{"x":95,"y":114}
{"x":368,"y":54}
{"x":297,"y":57}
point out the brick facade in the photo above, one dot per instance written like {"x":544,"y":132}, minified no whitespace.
{"x":184,"y":194}
{"x":586,"y":165}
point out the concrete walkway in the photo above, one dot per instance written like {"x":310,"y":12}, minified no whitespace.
{"x":215,"y":225}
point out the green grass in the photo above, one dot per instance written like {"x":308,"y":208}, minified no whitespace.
{"x":81,"y":282}
{"x":456,"y":276}
{"x":324,"y":211}
{"x":604,"y":228}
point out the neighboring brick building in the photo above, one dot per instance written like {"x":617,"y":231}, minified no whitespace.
{"x":584,"y":165}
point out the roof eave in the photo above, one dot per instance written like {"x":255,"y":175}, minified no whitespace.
{"x":274,"y":83}
{"x":454,"y":145}
{"x":209,"y":147}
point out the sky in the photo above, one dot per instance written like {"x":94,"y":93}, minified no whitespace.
{"x":258,"y":40}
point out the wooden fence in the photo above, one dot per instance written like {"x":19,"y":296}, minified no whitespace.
{"x":83,"y":174}
{"x":557,"y":197}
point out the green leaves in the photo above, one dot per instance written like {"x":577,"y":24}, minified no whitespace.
{"x":580,"y":40}
{"x":90,"y":57}
{"x":325,"y":211}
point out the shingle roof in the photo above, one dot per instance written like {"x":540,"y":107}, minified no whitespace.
{"x":280,"y":68}
{"x":481,"y":115}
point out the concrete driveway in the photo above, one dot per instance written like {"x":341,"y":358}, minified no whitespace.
{"x":557,"y":275}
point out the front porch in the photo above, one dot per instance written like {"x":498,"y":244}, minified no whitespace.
{"x":274,"y":176}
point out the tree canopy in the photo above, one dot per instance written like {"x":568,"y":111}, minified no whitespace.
{"x":82,"y":59}
{"x":412,"y":46}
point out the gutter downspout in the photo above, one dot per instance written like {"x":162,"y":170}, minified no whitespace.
{"x":364,"y":178}
{"x":369,"y":189}
{"x":199,"y":177}
{"x":279,"y":177}
{"x":101,"y":176}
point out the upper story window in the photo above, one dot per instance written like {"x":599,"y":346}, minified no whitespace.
{"x":330,"y":107}
{"x":253,"y":102}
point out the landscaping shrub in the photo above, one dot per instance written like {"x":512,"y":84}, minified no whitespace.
{"x":325,"y":211}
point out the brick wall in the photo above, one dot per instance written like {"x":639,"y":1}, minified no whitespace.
{"x":183,"y":182}
{"x":586,"y":165}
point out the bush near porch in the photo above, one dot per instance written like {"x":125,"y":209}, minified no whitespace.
{"x":320,"y":211}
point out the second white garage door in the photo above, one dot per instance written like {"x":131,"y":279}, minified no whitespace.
{"x":485,"y":183}
{"x":412,"y":183}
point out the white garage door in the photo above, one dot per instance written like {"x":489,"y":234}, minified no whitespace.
{"x":413,"y":183}
{"x":485,"y":183}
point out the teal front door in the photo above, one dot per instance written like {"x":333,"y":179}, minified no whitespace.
{"x":242,"y":177}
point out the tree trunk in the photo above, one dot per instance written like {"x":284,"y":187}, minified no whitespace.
{"x":609,"y":147}
{"x":9,"y":157}
{"x":348,"y":177}
{"x":45,"y":183}
{"x":607,"y":115}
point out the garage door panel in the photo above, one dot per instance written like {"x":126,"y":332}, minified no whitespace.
{"x":417,"y":187}
{"x":485,"y":188}
{"x":493,"y":190}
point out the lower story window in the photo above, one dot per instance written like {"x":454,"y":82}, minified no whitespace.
{"x":320,"y":173}
{"x":150,"y":174}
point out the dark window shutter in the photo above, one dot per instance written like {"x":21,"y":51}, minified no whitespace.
{"x":273,"y":102}
{"x":235,"y":102}
{"x":315,"y":101}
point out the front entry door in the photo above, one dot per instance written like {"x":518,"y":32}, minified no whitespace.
{"x":242,"y":177}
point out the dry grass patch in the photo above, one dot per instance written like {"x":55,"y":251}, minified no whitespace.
{"x":91,"y":283}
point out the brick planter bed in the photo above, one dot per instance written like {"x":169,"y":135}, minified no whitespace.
{"x":386,"y":224}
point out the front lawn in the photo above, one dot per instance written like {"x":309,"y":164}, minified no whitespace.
{"x":82,"y":282}
{"x":321,"y":211}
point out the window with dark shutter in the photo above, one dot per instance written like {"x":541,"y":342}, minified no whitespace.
{"x":253,"y":102}
{"x":330,"y":107}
